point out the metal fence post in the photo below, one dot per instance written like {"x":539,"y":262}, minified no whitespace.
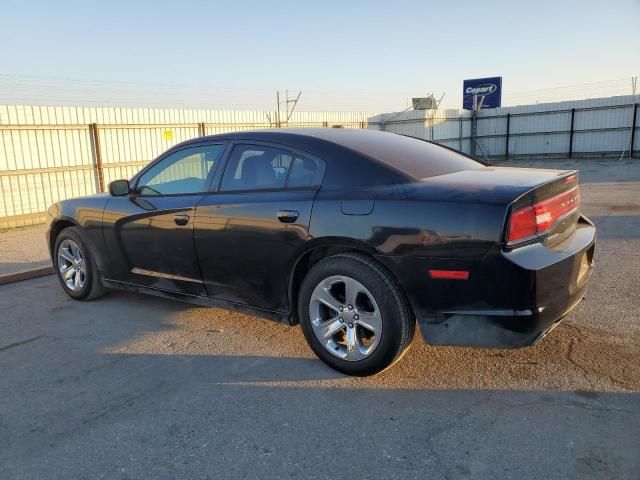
{"x":633,"y":129}
{"x":506,"y":141}
{"x":573,"y":114}
{"x":460,"y":132}
{"x":97,"y":156}
{"x":202,"y":129}
{"x":474,"y":131}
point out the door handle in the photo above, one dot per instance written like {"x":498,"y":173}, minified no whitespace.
{"x":181,"y":219}
{"x":288,"y":216}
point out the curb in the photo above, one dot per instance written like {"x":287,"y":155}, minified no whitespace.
{"x":25,"y":275}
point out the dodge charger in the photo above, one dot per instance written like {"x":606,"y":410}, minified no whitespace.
{"x":356,"y":235}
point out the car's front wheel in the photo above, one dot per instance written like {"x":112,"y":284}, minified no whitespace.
{"x":353,"y":314}
{"x":75,"y":266}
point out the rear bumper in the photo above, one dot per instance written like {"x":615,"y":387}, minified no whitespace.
{"x":512,"y":298}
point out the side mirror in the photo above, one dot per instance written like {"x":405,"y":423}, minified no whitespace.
{"x":119,"y":188}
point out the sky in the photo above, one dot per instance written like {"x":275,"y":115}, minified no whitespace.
{"x":341,"y":54}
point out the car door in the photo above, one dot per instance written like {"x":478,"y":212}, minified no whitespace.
{"x":250,"y":231}
{"x":149,"y":233}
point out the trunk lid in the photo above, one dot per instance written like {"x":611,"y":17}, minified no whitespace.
{"x":552,"y":197}
{"x":498,"y":185}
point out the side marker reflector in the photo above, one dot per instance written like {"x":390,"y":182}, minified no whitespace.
{"x":449,"y":274}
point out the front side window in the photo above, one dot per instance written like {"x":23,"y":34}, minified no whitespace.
{"x":256,"y":167}
{"x":183,"y":172}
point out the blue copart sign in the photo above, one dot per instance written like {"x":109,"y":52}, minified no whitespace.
{"x":489,"y":88}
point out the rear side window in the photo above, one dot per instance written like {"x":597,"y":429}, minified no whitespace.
{"x":304,"y":171}
{"x":410,"y":156}
{"x":415,"y":157}
{"x":256,"y":167}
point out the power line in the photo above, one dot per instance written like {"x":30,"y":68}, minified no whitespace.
{"x":606,"y":88}
{"x":47,"y":90}
{"x":573,"y":86}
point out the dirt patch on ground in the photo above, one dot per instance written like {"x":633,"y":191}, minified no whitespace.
{"x":596,"y":352}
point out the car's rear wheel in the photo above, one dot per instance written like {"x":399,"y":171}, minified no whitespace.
{"x":76,"y":267}
{"x":353,"y":314}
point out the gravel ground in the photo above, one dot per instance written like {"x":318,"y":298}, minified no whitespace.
{"x":138,"y":387}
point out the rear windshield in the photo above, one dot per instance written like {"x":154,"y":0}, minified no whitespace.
{"x":411,"y":156}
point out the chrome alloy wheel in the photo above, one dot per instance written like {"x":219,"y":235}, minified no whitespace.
{"x":72,"y":265}
{"x":345,"y":318}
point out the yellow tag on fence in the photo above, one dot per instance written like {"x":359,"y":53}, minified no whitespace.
{"x":167,"y":134}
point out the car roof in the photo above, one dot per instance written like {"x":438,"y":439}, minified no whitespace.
{"x":410,"y":157}
{"x":345,"y":165}
{"x":346,"y":137}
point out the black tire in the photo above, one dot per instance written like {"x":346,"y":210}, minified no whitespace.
{"x":92,"y":287}
{"x":398,"y":322}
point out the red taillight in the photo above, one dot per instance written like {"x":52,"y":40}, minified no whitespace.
{"x":522,"y":224}
{"x":542,"y":216}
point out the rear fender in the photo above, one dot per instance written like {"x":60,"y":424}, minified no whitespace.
{"x":317,"y":249}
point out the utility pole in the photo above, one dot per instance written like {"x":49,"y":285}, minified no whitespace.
{"x":278,"y":102}
{"x":433,"y":112}
{"x":295,"y":102}
{"x":289,"y":108}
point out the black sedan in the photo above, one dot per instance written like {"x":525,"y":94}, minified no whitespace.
{"x":354,"y":234}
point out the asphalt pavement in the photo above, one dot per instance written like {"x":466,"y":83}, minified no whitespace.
{"x":136,"y":387}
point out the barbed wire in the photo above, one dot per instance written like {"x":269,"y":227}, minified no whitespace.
{"x":581,"y":91}
{"x":46,"y":90}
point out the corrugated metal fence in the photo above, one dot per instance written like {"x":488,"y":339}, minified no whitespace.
{"x":595,"y":127}
{"x":52,"y":153}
